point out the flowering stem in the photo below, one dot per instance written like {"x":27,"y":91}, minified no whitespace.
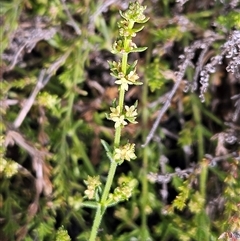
{"x":96,"y":223}
{"x":124,"y":61}
{"x":117,"y":136}
{"x":144,"y":169}
{"x":125,"y":74}
{"x":111,"y":173}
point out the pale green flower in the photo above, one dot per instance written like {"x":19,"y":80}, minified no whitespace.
{"x":119,"y":121}
{"x":92,"y":184}
{"x":132,"y":76}
{"x":130,"y":111}
{"x":125,"y":152}
{"x":123,"y":82}
{"x":116,"y":116}
{"x":10,"y":169}
{"x":62,"y":235}
{"x":115,"y":112}
{"x":135,"y":13}
{"x":90,"y":193}
{"x":124,"y":190}
{"x":129,"y":79}
{"x":93,"y":181}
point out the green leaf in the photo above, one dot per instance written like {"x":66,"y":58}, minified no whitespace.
{"x":106,"y":146}
{"x":90,"y":204}
{"x":137,"y":50}
{"x":108,"y":150}
{"x":131,"y":67}
{"x":138,"y":29}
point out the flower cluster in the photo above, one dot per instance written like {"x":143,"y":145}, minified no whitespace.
{"x":124,"y":31}
{"x":117,"y":117}
{"x":62,"y":235}
{"x":125,"y":152}
{"x":135,"y":13}
{"x":129,"y":114}
{"x":8,"y":167}
{"x":130,"y":78}
{"x":121,"y":193}
{"x":125,"y":75}
{"x":93,"y":186}
{"x":124,"y":190}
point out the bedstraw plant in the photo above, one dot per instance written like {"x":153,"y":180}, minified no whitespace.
{"x":121,"y":115}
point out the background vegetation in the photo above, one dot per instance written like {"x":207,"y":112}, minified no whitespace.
{"x":56,"y":88}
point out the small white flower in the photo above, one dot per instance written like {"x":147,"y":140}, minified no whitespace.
{"x":130,"y":111}
{"x":125,"y":152}
{"x":119,"y":121}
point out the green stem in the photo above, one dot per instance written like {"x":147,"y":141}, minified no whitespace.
{"x":86,"y":161}
{"x":96,"y":223}
{"x":111,"y":173}
{"x":108,"y":185}
{"x":144,"y":171}
{"x":197,"y":118}
{"x":101,"y":207}
{"x":124,"y":62}
{"x":121,"y":98}
{"x":144,"y":199}
{"x":203,"y":178}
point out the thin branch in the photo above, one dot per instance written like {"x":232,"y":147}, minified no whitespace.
{"x":71,"y":20}
{"x":214,"y":160}
{"x":43,"y":79}
{"x":15,"y":137}
{"x":184,"y":173}
{"x":199,"y":67}
{"x":27,"y":106}
{"x":102,"y":8}
{"x":15,"y":59}
{"x":29,"y":40}
{"x":168,"y":102}
{"x":160,"y":100}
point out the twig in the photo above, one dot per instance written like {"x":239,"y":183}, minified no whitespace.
{"x":29,"y":41}
{"x":15,"y":137}
{"x":43,"y":79}
{"x":27,"y":106}
{"x":71,"y":20}
{"x":166,"y":177}
{"x":199,"y":67}
{"x":101,"y":9}
{"x":14,"y":61}
{"x":214,"y":160}
{"x":167,"y":103}
{"x":160,"y":100}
